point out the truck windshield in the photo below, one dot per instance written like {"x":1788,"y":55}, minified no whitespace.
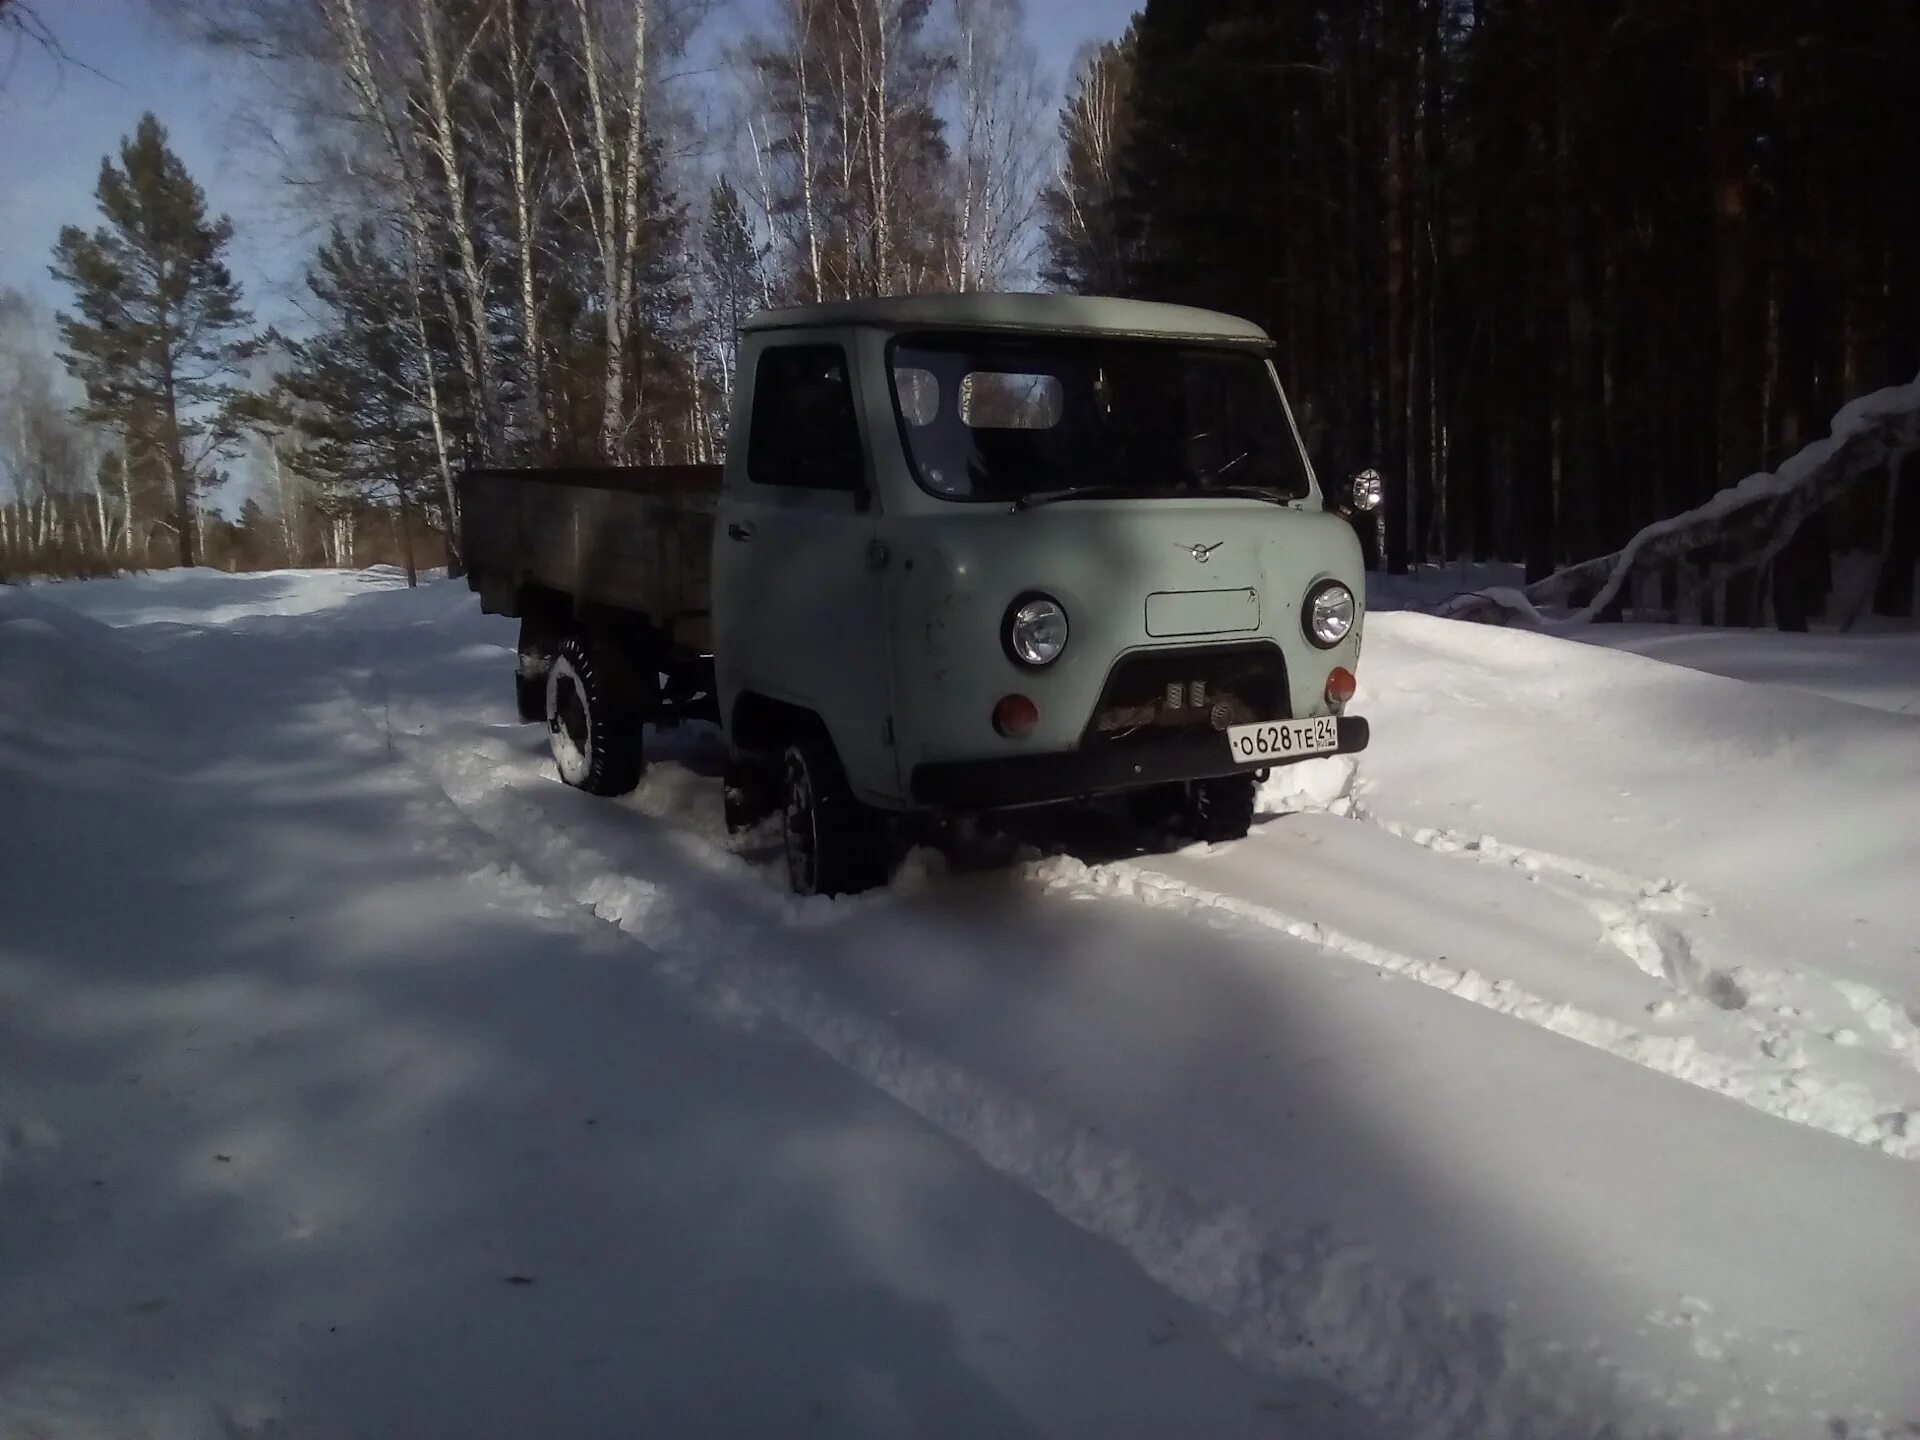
{"x":990,"y":418}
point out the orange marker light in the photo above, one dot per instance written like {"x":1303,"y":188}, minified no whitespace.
{"x":1015,"y":717}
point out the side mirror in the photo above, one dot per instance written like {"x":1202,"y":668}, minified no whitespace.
{"x":1366,"y":489}
{"x":1361,"y":495}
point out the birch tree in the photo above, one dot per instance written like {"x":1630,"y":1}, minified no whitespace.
{"x":610,"y":51}
{"x":1000,"y":154}
{"x":1085,"y":250}
{"x":446,"y":37}
{"x":855,"y":145}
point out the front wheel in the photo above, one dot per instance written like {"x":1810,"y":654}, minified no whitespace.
{"x":1214,"y":810}
{"x":594,"y":720}
{"x":835,"y":844}
{"x":1222,"y":809}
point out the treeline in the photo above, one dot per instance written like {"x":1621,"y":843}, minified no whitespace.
{"x":540,"y":237}
{"x":1560,"y":267}
{"x":118,"y":421}
{"x":543,"y":239}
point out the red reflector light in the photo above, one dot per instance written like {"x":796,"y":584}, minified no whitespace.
{"x":1341,"y":685}
{"x":1015,"y":716}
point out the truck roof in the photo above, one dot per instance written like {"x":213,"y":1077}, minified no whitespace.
{"x":1037,"y":314}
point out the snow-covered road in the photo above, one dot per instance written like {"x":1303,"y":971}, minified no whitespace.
{"x":1556,"y":1073}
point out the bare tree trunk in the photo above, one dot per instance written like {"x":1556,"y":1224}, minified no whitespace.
{"x":879,"y":124}
{"x":533,"y":380}
{"x":851,"y":142}
{"x":100,"y":514}
{"x":344,"y":23}
{"x":618,"y":207}
{"x":283,"y":496}
{"x":1000,"y":159}
{"x":766,"y":209}
{"x":970,"y":139}
{"x":444,"y":143}
{"x":185,"y":521}
{"x":803,"y":47}
{"x":441,"y":445}
{"x":126,"y":493}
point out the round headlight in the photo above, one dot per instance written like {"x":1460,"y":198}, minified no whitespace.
{"x":1036,"y":630}
{"x":1329,"y":615}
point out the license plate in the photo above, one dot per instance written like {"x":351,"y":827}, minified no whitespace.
{"x":1284,"y":740}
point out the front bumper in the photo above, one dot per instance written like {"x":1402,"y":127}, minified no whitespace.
{"x":1102,"y":769}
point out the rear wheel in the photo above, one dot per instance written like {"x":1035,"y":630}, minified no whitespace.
{"x":835,"y":844}
{"x":594,"y":719}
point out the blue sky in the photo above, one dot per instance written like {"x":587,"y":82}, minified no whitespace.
{"x":55,"y":126}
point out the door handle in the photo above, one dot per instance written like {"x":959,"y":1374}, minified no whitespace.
{"x":739,"y":530}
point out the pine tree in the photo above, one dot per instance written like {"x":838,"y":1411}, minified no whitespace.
{"x":253,"y":535}
{"x":356,"y":387}
{"x":160,"y":329}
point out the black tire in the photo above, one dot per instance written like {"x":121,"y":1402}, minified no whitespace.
{"x":1222,"y":809}
{"x":594,"y":719}
{"x":1211,"y":810}
{"x":835,"y":844}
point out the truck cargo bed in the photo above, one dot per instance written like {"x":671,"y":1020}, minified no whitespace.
{"x":637,"y":539}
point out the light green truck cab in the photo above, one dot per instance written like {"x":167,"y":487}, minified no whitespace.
{"x":974,"y":553}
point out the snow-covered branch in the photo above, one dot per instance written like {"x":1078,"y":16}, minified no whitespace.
{"x":1759,"y":516}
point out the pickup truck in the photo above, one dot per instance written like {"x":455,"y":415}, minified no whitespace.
{"x":967,"y":554}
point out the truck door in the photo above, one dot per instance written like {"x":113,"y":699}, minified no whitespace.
{"x":799,"y":606}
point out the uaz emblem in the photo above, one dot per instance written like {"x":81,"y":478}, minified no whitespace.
{"x":1203,"y":553}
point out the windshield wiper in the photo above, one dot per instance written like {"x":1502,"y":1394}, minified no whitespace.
{"x":1079,"y":492}
{"x":1134,"y":492}
{"x":1248,"y":492}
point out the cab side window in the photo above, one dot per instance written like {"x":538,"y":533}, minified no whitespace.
{"x":803,"y":433}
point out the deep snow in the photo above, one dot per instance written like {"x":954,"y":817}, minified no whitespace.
{"x":1552,"y":1070}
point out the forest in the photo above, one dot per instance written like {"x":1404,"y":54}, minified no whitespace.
{"x":1558,"y":268}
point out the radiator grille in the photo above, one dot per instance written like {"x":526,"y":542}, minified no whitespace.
{"x":1193,"y":688}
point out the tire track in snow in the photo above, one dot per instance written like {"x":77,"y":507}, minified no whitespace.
{"x":1646,"y":921}
{"x":1772,"y":1084}
{"x":1661,"y":894}
{"x":1310,"y":1305}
